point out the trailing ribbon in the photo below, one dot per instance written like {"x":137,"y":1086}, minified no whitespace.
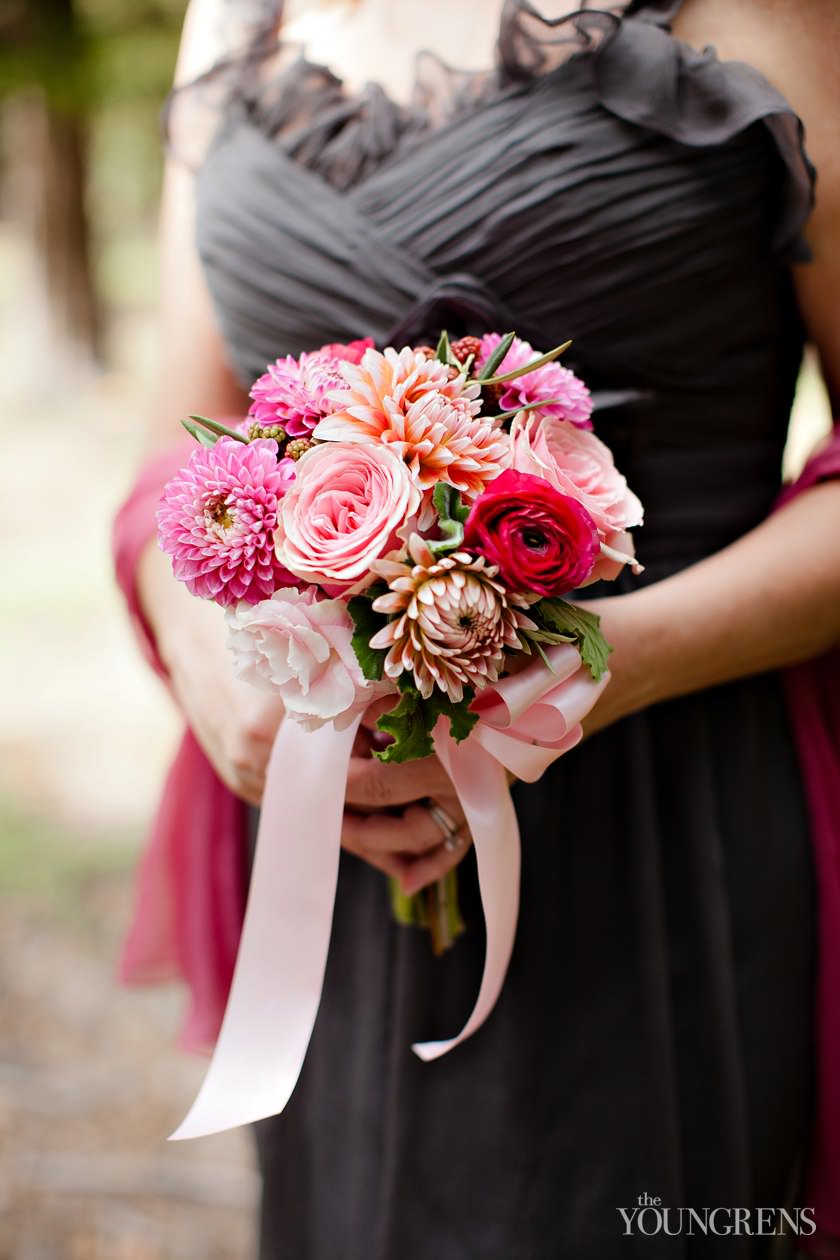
{"x":525,"y":722}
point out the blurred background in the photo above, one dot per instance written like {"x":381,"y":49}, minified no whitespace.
{"x":90,"y":1080}
{"x":90,"y":1083}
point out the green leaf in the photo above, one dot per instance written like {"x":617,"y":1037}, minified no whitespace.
{"x":528,"y":367}
{"x":200,"y":435}
{"x":406,"y":724}
{"x":497,"y":357}
{"x":452,"y":515}
{"x":413,"y":720}
{"x":443,"y":351}
{"x":577,"y":625}
{"x":544,"y":402}
{"x":461,"y":718}
{"x":367,"y":623}
{"x":221,"y":430}
{"x":540,"y":650}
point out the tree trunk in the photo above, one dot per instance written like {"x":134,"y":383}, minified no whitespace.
{"x":45,"y":175}
{"x":62,"y":229}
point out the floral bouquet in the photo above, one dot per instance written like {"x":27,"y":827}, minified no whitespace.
{"x":403,"y":524}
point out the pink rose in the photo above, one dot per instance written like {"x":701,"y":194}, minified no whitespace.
{"x":342,"y":512}
{"x":543,"y":542}
{"x":300,"y":646}
{"x":577,"y":463}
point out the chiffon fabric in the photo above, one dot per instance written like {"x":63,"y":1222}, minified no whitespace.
{"x":607,"y":183}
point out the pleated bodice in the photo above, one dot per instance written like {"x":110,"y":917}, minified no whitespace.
{"x":604,"y":183}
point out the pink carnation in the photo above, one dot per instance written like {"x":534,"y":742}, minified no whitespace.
{"x":571,"y":398}
{"x":299,"y":645}
{"x":295,"y":392}
{"x":217,"y":519}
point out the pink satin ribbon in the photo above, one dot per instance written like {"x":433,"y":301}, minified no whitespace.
{"x":526,"y":721}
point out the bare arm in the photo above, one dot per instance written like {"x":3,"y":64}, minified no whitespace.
{"x":773,"y":597}
{"x":234,"y":723}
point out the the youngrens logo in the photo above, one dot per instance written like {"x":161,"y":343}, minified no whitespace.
{"x":649,"y":1218}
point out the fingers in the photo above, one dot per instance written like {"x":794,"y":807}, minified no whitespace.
{"x":354,"y":836}
{"x":433,"y":865}
{"x":412,"y":832}
{"x":372,"y":785}
{"x":411,"y":846}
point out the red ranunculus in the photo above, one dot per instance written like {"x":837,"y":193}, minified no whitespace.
{"x":542,"y":541}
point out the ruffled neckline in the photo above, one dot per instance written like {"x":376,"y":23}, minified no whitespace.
{"x":631,"y":63}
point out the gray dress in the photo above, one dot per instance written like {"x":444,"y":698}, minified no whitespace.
{"x":604,"y":183}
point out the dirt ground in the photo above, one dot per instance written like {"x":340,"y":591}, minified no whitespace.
{"x":90,"y":1086}
{"x":90,"y":1081}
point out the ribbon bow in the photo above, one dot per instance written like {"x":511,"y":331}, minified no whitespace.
{"x":526,"y":721}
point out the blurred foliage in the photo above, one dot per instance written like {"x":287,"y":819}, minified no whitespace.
{"x":107,"y":65}
{"x":83,"y":53}
{"x":43,"y":861}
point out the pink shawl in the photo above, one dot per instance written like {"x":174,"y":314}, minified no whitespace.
{"x":190,"y":894}
{"x":813,"y":696}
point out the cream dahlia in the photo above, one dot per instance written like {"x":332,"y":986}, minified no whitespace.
{"x":453,"y":620}
{"x":424,"y":412}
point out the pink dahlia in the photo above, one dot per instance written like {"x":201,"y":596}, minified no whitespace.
{"x":217,"y":519}
{"x":424,"y":413}
{"x":571,"y":398}
{"x":295,"y":392}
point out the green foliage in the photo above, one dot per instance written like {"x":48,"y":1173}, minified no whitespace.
{"x":367,"y":623}
{"x":203,"y":436}
{"x":497,"y":357}
{"x":562,"y":622}
{"x":218,"y":429}
{"x":444,"y":350}
{"x":452,"y":516}
{"x":86,"y":53}
{"x":413,"y":720}
{"x":527,"y":367}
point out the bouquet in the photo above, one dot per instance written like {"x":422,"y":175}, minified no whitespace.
{"x":404,"y":527}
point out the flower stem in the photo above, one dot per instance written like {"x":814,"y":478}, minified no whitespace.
{"x":434,"y":908}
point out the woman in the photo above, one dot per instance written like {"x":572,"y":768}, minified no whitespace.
{"x":609,"y":182}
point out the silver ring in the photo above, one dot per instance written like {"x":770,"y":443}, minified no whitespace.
{"x":452,"y":838}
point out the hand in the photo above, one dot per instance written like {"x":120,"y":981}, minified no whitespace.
{"x":387,"y":821}
{"x":234,"y":723}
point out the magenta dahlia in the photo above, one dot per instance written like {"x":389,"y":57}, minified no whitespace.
{"x":217,"y":519}
{"x":295,"y":392}
{"x":570,"y":399}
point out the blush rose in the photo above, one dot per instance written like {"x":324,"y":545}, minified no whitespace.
{"x":577,"y":463}
{"x":342,"y":513}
